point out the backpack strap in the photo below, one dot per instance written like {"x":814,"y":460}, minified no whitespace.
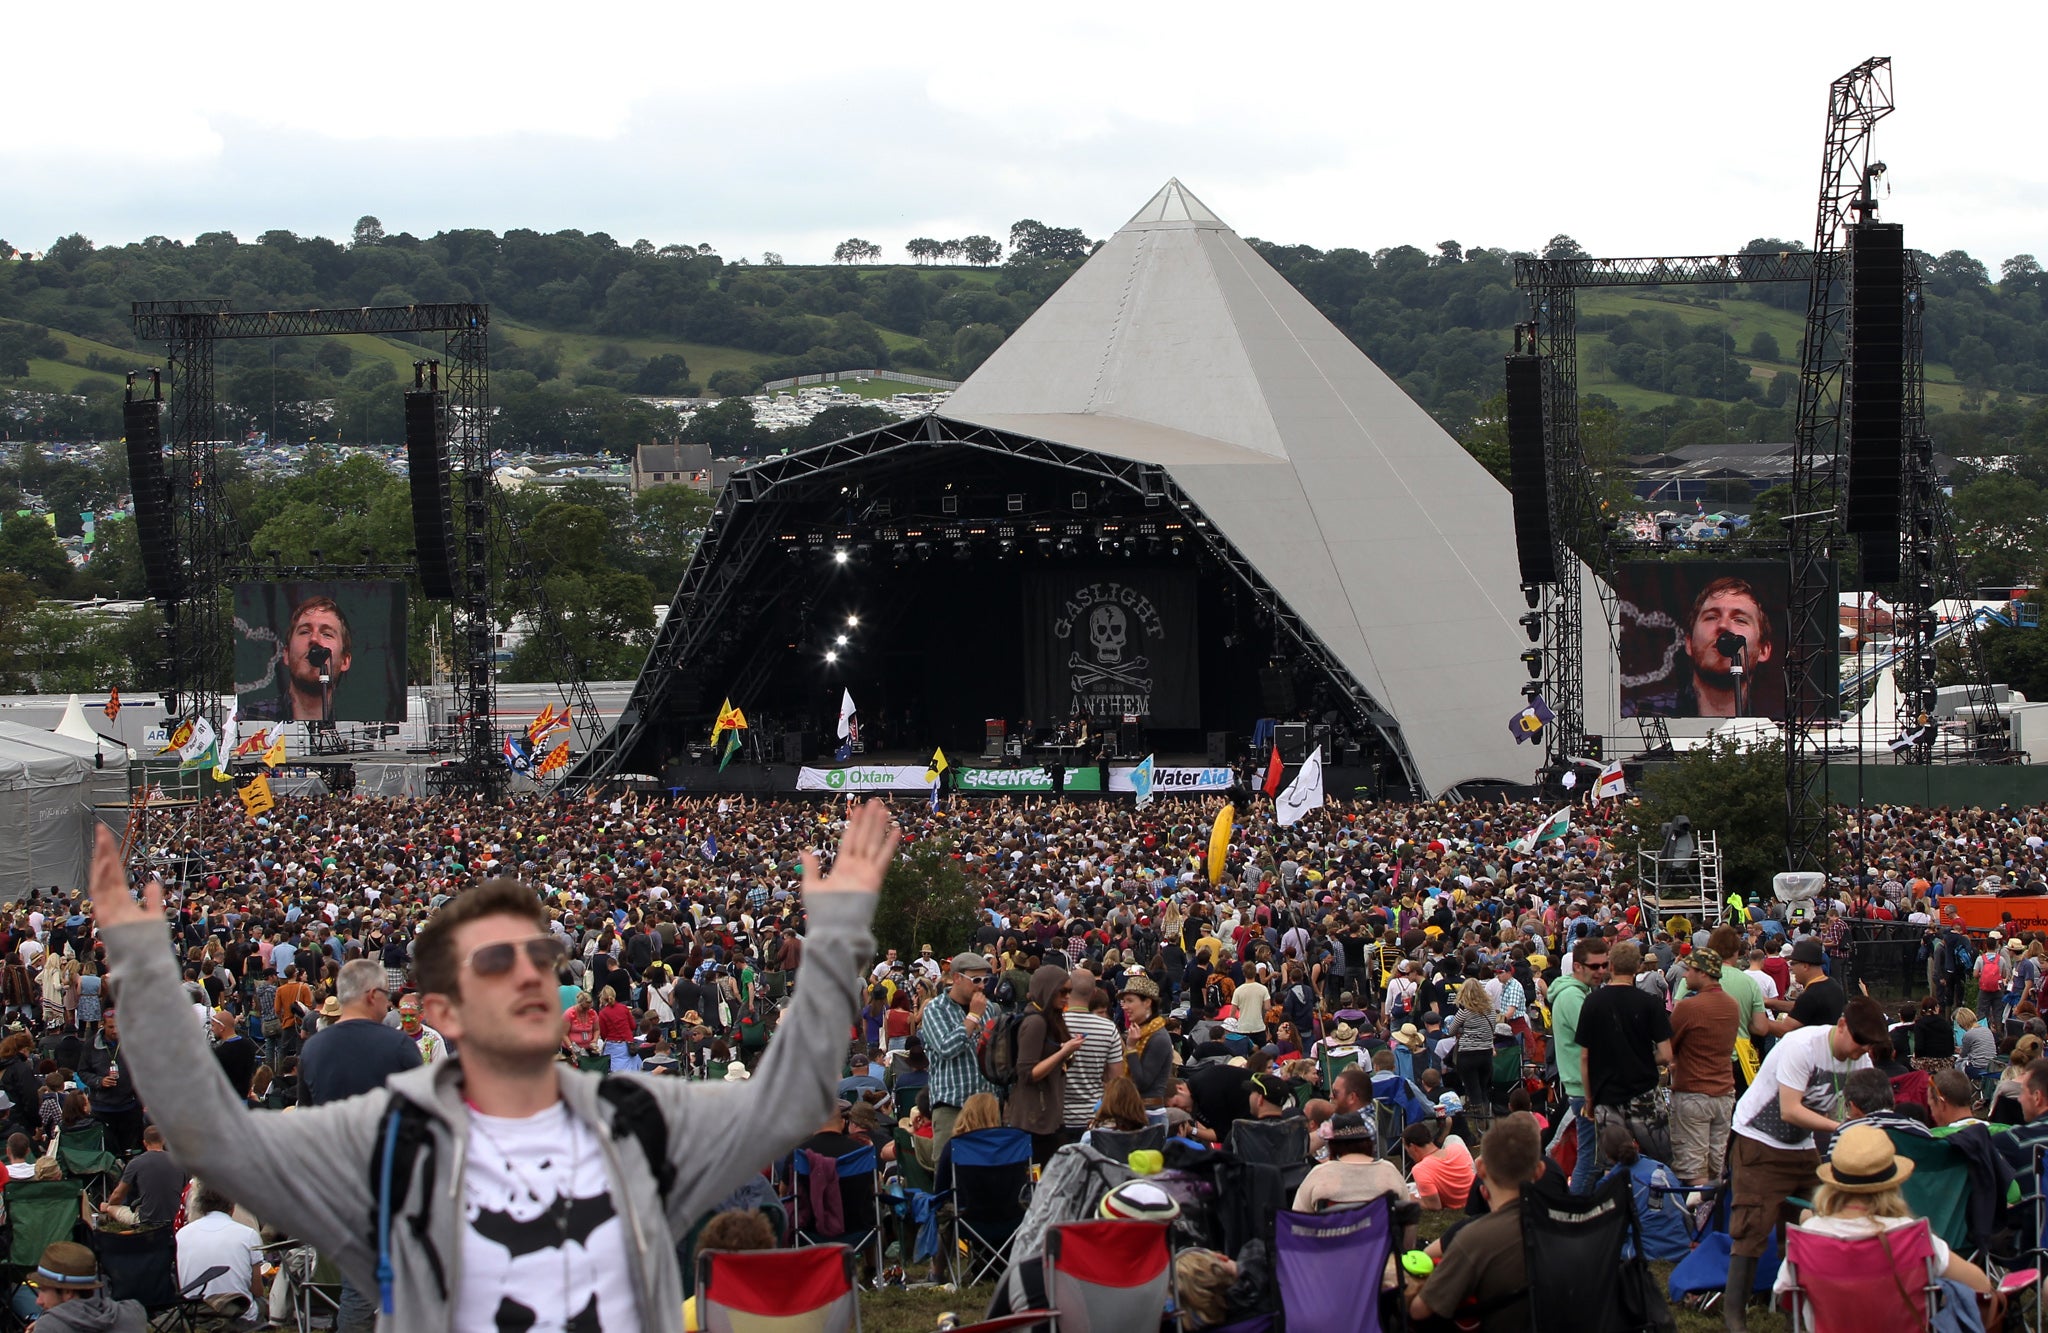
{"x":636,"y":1113}
{"x":404,"y":1133}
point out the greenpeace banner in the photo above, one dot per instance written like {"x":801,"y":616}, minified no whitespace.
{"x":987,"y":780}
{"x":1107,"y":644}
{"x":864,"y":777}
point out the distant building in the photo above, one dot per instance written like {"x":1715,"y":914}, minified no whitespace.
{"x":672,"y":465}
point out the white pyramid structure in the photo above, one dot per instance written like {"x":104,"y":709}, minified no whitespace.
{"x":1176,"y":344}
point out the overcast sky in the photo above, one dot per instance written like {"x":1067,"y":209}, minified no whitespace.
{"x":1637,"y":128}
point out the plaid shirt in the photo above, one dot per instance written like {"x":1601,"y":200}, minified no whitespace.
{"x":955,"y":1070}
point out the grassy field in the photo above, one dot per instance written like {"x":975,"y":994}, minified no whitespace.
{"x":577,"y":349}
{"x":1743,"y":320}
{"x":899,"y":1311}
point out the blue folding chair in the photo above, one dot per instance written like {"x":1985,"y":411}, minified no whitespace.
{"x":862,"y":1234}
{"x":988,"y":1175}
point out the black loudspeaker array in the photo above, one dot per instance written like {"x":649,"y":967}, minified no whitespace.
{"x":1877,"y":393}
{"x":142,"y":421}
{"x":1528,"y":471}
{"x":1276,"y":691}
{"x":426,"y":457}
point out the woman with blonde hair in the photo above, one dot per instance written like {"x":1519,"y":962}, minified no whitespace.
{"x":1472,"y":1026}
{"x":1859,"y":1197}
{"x":981,"y":1115}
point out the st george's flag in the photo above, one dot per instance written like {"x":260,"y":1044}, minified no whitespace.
{"x":1610,"y":783}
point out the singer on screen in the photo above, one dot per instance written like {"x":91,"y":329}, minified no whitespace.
{"x":318,"y":651}
{"x":1728,"y":641}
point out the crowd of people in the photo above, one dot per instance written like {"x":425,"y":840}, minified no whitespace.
{"x":1524,"y":1014}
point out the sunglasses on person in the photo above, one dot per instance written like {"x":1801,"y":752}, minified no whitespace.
{"x":545,"y":952}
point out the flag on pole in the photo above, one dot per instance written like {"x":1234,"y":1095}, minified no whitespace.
{"x":710,"y":848}
{"x":1528,"y":724}
{"x":1141,"y":781}
{"x":256,"y":743}
{"x":729,"y":719}
{"x":554,"y":760}
{"x":937,"y":766}
{"x":1303,"y":794}
{"x":256,"y":796}
{"x":230,"y":737}
{"x":113,"y":708}
{"x":935,"y":794}
{"x":1274,"y":772}
{"x":1611,"y":782}
{"x":849,"y":725}
{"x":199,"y":742}
{"x":518,"y":754}
{"x":177,"y":737}
{"x":732,"y":747}
{"x":274,"y":756}
{"x":544,"y":722}
{"x":1557,"y":826}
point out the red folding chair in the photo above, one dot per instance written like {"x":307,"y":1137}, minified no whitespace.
{"x":1107,"y":1277}
{"x":1884,"y":1283}
{"x":809,"y":1290}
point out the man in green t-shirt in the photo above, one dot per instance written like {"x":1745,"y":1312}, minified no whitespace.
{"x":1567,"y":995}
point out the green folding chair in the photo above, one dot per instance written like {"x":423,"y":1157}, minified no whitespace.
{"x":83,"y":1157}
{"x":1939,"y":1188}
{"x":908,"y":1168}
{"x":1334,"y":1065}
{"x":39,"y":1214}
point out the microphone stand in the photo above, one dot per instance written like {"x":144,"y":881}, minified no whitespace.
{"x":1732,"y":647}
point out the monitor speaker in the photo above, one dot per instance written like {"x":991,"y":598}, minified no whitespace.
{"x":1528,"y":470}
{"x":1219,"y":748}
{"x":426,"y":456}
{"x":796,"y":747}
{"x":142,"y":421}
{"x":1276,"y":691}
{"x":1877,"y":379}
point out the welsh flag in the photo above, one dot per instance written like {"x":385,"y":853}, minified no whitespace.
{"x":1557,"y":826}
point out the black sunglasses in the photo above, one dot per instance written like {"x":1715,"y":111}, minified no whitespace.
{"x":545,"y":952}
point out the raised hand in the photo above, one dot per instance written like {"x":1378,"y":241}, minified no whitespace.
{"x":113,"y":903}
{"x":865,"y":849}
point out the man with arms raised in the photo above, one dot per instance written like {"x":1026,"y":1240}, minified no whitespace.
{"x":524,"y":1193}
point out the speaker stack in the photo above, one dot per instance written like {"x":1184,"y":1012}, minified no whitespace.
{"x":1528,"y":470}
{"x":1877,"y":394}
{"x":426,"y":456}
{"x":142,"y":421}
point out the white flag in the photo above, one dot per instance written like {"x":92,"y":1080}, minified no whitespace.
{"x":1611,"y":782}
{"x":1303,"y":794}
{"x":846,"y":712}
{"x":228,"y":739}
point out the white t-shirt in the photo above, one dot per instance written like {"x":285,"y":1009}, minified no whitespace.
{"x":545,"y":1248}
{"x":1765,"y":983}
{"x":215,"y":1240}
{"x":1802,"y":1060}
{"x":1251,"y":1000}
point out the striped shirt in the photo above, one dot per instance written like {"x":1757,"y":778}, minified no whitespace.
{"x":951,"y":1048}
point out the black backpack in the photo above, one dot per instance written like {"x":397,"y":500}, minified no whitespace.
{"x":996,"y":1053}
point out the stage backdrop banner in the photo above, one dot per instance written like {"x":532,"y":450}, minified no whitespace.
{"x":1168,"y":781}
{"x":865,"y":777}
{"x":1109,"y":644}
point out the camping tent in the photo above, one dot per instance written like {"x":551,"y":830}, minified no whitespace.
{"x":49,"y":785}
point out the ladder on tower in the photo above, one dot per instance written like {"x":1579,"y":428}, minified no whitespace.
{"x":1686,"y":884}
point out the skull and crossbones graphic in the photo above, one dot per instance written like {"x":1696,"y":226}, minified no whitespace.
{"x":1109,"y":635}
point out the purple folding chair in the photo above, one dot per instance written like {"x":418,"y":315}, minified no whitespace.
{"x":1324,"y":1259}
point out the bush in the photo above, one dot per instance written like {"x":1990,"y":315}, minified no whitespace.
{"x":926,"y":899}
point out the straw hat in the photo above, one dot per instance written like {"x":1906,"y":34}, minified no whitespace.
{"x":1410,"y":1036}
{"x":1863,"y":1162}
{"x":1344,"y":1035}
{"x":331,"y":1009}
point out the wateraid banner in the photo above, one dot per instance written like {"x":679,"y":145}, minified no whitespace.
{"x":865,"y":777}
{"x":1168,"y":781}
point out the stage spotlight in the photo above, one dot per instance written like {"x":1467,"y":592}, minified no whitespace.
{"x":1045,"y":547}
{"x":831,"y":656}
{"x":1533,"y":659}
{"x":842,"y":641}
{"x":853,"y":622}
{"x":1532,"y":625}
{"x":962,"y":551}
{"x":839,"y":556}
{"x":1532,"y":593}
{"x":899,"y":552}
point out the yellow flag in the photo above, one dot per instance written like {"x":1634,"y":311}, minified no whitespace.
{"x":180,"y":734}
{"x":729,"y":719}
{"x":937,"y":766}
{"x":275,"y":754}
{"x":256,"y":797}
{"x":539,"y":726}
{"x":557,"y":758}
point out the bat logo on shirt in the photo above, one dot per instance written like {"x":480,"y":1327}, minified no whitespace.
{"x":563,"y":1221}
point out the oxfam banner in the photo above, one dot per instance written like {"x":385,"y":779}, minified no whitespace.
{"x":864,"y":777}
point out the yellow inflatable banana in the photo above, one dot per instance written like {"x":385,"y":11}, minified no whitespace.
{"x":1219,"y":841}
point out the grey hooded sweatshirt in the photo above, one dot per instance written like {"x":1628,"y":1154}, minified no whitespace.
{"x":311,"y":1171}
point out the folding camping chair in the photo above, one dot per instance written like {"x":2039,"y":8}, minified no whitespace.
{"x":1939,"y":1188}
{"x":82,"y":1155}
{"x":1880,"y":1284}
{"x":140,"y":1265}
{"x":989,"y":1177}
{"x":864,"y":1233}
{"x":1107,"y":1277}
{"x":1333,"y":1065}
{"x":39,"y":1214}
{"x":795,"y":1291}
{"x":1321,"y":1260}
{"x":1507,"y":1074}
{"x":1119,"y":1144}
{"x":1281,"y":1142}
{"x":190,"y":1312}
{"x":316,"y":1293}
{"x":1572,"y":1246}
